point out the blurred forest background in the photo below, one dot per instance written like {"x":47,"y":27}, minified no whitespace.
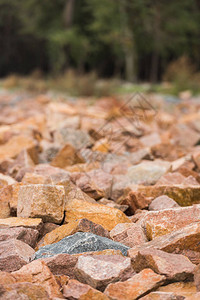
{"x":132,"y":40}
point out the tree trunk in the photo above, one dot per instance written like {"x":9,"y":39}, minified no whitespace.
{"x":69,"y":13}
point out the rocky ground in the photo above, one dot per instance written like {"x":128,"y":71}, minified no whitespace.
{"x":99,"y":199}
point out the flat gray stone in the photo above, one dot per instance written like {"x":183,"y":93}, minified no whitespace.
{"x":78,"y":243}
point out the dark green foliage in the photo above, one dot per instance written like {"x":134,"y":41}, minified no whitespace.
{"x":131,"y":39}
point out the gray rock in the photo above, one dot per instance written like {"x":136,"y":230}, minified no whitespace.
{"x":78,"y":243}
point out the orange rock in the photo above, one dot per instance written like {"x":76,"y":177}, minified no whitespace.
{"x":43,"y":201}
{"x":14,"y":146}
{"x":158,"y":223}
{"x":185,"y":289}
{"x":97,"y":213}
{"x":76,"y":290}
{"x":135,"y":287}
{"x":67,"y":156}
{"x":37,"y":272}
{"x":35,"y":223}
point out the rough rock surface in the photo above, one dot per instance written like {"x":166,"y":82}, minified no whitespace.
{"x":100,"y":214}
{"x":80,"y":242}
{"x":175,"y":267}
{"x":41,"y":201}
{"x":26,"y":235}
{"x":100,"y":270}
{"x":14,"y":254}
{"x":136,"y":286}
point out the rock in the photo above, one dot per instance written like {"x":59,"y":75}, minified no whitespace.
{"x":48,"y":227}
{"x":97,"y":213}
{"x":78,"y":243}
{"x":41,"y":201}
{"x":73,"y":192}
{"x":100,"y":270}
{"x":62,"y":264}
{"x":82,"y":225}
{"x":77,"y":138}
{"x":77,"y":290}
{"x":148,"y":172}
{"x":176,"y":178}
{"x":128,"y":234}
{"x":24,"y":291}
{"x":96,"y":183}
{"x":184,"y":289}
{"x":184,"y":136}
{"x":183,"y":241}
{"x":162,"y":296}
{"x":14,"y":254}
{"x":197,"y":277}
{"x":5,"y":196}
{"x":158,"y":223}
{"x":65,"y":263}
{"x":26,"y":235}
{"x":67,"y":156}
{"x":15,"y":145}
{"x":183,"y":195}
{"x":35,"y":223}
{"x":37,"y":272}
{"x":151,"y":139}
{"x":135,"y":287}
{"x":175,"y":267}
{"x":162,"y":202}
{"x":9,"y":180}
{"x":111,"y":203}
{"x":135,"y":200}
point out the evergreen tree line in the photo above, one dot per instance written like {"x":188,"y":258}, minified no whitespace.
{"x":131,"y":39}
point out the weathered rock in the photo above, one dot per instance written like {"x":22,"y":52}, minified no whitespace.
{"x":67,"y":156}
{"x":37,"y":272}
{"x":183,"y":241}
{"x":96,"y":183}
{"x":15,"y":145}
{"x":158,"y":223}
{"x":184,"y":136}
{"x":136,"y":286}
{"x":62,"y":264}
{"x":24,"y":291}
{"x":162,"y":296}
{"x":9,"y":180}
{"x":77,"y":138}
{"x":175,"y":267}
{"x":197,"y":277}
{"x":151,"y":139}
{"x":78,"y":243}
{"x":77,"y":290}
{"x":100,"y":270}
{"x":5,"y":196}
{"x":184,"y":289}
{"x":128,"y":234}
{"x":176,"y":178}
{"x":82,"y":225}
{"x":162,"y":202}
{"x":148,"y":172}
{"x":97,"y":213}
{"x":112,"y":204}
{"x":73,"y":192}
{"x":135,"y":200}
{"x":26,"y":235}
{"x":41,"y":201}
{"x":48,"y":227}
{"x":34,"y":223}
{"x":14,"y":254}
{"x":183,"y":195}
